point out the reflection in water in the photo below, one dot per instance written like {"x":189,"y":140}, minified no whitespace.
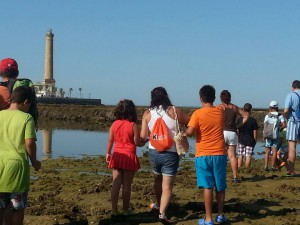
{"x":78,"y":141}
{"x":47,"y":143}
{"x":63,"y":129}
{"x":53,"y":143}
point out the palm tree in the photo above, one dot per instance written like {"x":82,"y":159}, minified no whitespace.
{"x":61,"y":92}
{"x":70,"y":92}
{"x":80,"y":89}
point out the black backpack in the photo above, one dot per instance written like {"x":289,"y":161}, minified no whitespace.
{"x":13,"y":83}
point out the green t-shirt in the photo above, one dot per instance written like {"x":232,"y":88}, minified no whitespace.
{"x":15,"y":127}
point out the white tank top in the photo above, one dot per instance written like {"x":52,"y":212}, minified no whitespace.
{"x":160,"y":112}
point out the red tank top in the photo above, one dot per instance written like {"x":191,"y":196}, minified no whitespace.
{"x":123,"y":136}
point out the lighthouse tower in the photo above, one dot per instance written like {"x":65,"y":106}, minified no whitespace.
{"x":47,"y":88}
{"x":48,"y":75}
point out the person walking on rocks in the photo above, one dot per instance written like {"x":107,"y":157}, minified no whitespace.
{"x":231,"y":112}
{"x":292,"y":114}
{"x":211,"y":156}
{"x":18,"y":147}
{"x":123,"y":138}
{"x":164,"y":163}
{"x":273,"y":123}
{"x":247,"y":134}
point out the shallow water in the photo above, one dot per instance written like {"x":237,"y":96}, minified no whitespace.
{"x":54,"y":143}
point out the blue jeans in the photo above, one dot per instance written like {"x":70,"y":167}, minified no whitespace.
{"x":165,"y":163}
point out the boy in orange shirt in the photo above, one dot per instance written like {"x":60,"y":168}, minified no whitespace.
{"x":211,"y":158}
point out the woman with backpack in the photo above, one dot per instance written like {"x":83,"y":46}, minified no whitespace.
{"x":163,"y":159}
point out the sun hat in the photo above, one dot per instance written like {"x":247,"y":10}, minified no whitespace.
{"x":8,"y":64}
{"x":273,"y":104}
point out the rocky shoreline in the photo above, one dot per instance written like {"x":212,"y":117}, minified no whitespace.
{"x":103,"y":115}
{"x":77,"y":192}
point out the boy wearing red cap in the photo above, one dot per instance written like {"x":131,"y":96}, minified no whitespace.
{"x":8,"y":70}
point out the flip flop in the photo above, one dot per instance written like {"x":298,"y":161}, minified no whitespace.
{"x":203,"y":222}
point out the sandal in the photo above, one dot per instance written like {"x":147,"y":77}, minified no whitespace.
{"x":153,"y":206}
{"x":290,"y":174}
{"x":163,"y":219}
{"x":203,"y":222}
{"x":221,"y":218}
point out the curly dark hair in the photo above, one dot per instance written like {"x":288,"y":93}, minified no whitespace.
{"x":159,"y":96}
{"x":125,"y":110}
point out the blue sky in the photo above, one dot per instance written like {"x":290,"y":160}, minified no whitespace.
{"x":117,"y":49}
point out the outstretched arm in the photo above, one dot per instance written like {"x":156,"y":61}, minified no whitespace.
{"x":182,"y":117}
{"x":137,"y":140}
{"x":189,"y":131}
{"x":144,"y":135}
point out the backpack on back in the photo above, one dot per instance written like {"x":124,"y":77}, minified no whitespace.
{"x":160,"y":137}
{"x":14,"y":83}
{"x":271,"y":127}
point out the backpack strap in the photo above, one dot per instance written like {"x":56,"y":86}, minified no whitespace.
{"x":177,"y":126}
{"x":299,"y":100}
{"x":10,"y":85}
{"x":293,"y":110}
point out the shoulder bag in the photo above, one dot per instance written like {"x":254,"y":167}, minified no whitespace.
{"x":181,"y":142}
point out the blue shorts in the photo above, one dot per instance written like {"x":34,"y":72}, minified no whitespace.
{"x":165,"y":163}
{"x":271,"y":143}
{"x":211,"y":172}
{"x":15,"y":200}
{"x":293,"y":131}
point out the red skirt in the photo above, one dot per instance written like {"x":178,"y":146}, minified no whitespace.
{"x":124,"y":161}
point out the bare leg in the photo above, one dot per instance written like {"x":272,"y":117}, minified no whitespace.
{"x":128,"y":176}
{"x":248,"y":162}
{"x":268,"y":150}
{"x":17,"y":217}
{"x":274,"y":157}
{"x":157,"y":187}
{"x":220,"y":196}
{"x":1,"y":215}
{"x":233,"y":160}
{"x":208,"y":201}
{"x":292,"y":156}
{"x":167,"y":187}
{"x":116,"y":185}
{"x":7,"y":217}
{"x":240,"y":161}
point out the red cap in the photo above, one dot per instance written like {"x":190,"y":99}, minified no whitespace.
{"x":8,"y":64}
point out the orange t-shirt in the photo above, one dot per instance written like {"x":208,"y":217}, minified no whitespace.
{"x":4,"y":98}
{"x":208,"y":124}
